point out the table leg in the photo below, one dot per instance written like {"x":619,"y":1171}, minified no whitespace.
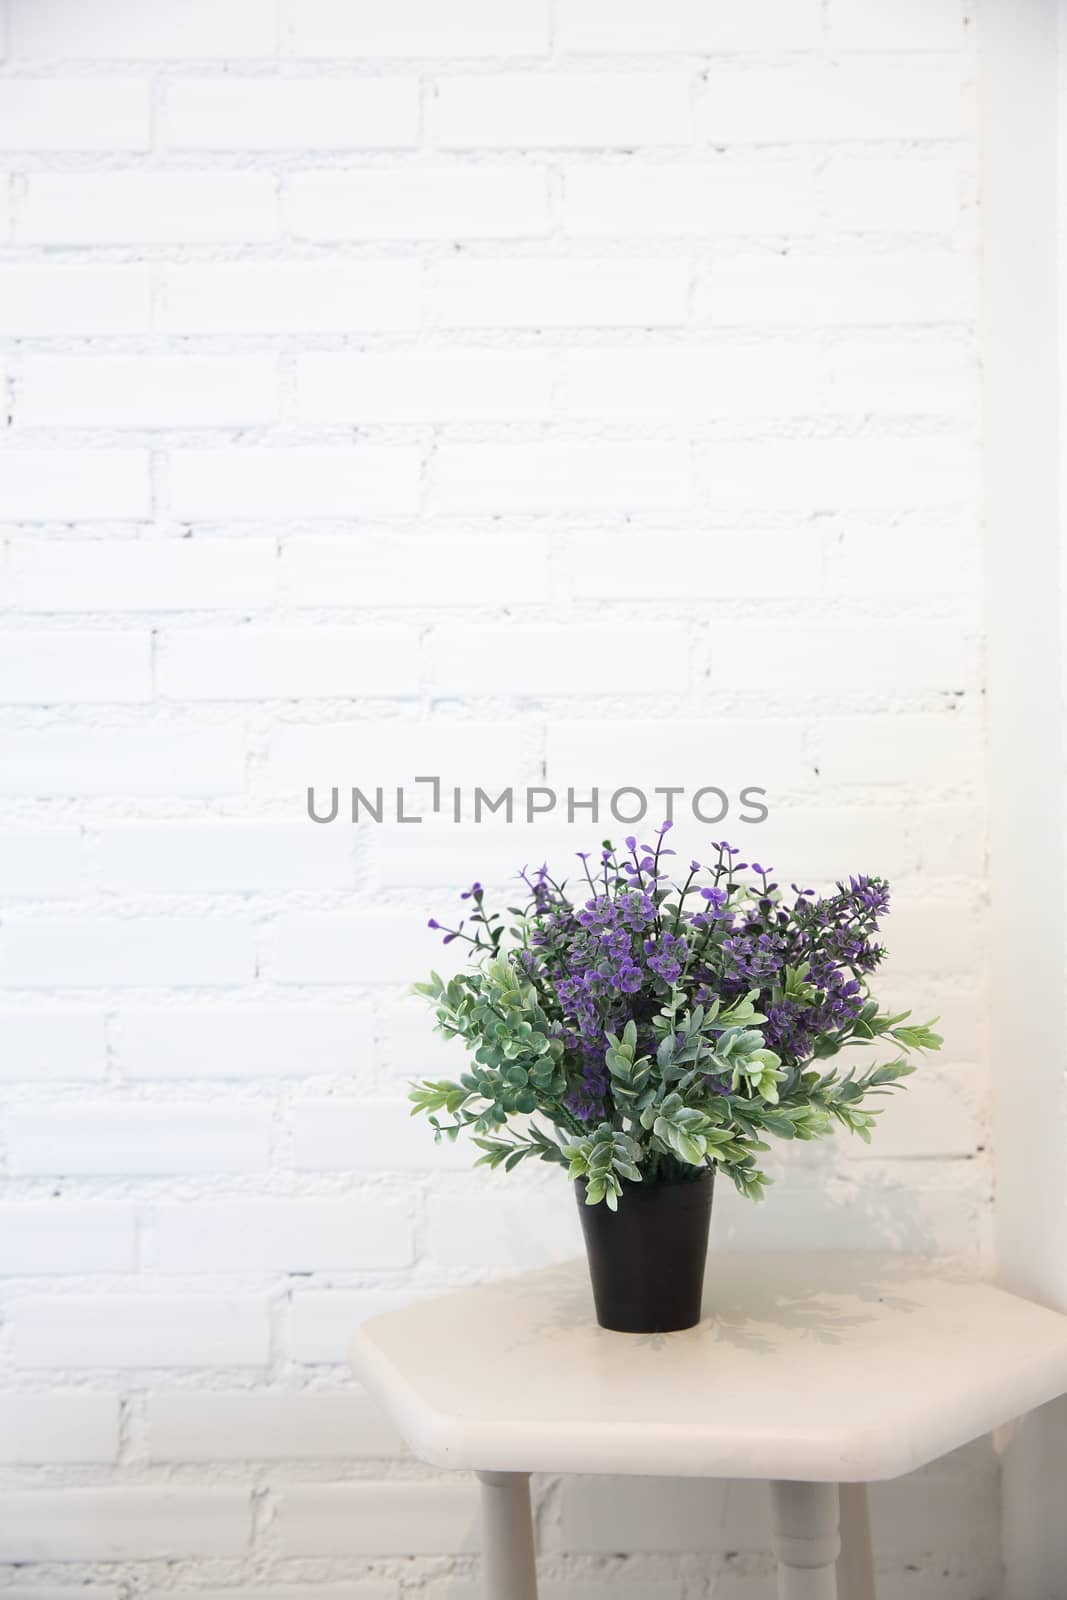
{"x":508,"y":1569}
{"x":855,"y":1564}
{"x":806,"y":1540}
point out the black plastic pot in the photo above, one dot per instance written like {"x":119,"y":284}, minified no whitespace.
{"x":647,"y":1258}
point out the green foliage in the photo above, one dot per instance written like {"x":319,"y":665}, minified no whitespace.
{"x":603,"y":1159}
{"x":688,"y":1085}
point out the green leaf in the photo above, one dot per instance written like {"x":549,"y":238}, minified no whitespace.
{"x":917,"y":1036}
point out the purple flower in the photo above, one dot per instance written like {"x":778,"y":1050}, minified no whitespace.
{"x":608,"y":956}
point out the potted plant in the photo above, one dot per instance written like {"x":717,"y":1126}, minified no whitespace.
{"x":646,"y":1033}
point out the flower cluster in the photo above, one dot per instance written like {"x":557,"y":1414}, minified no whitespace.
{"x":684,"y":1010}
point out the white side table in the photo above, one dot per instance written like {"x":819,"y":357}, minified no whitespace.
{"x":810,"y":1370}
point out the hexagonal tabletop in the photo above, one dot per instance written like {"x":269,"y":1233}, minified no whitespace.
{"x":826,"y":1366}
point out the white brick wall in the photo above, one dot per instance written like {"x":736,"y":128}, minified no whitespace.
{"x":308,"y":114}
{"x":574,"y":394}
{"x":62,"y":1425}
{"x":74,"y":114}
{"x":119,"y":1330}
{"x":149,"y":392}
{"x":81,"y":299}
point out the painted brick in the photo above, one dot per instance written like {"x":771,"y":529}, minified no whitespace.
{"x":520,"y":1225}
{"x":929,"y":375}
{"x":209,"y":1425}
{"x":42,"y":668}
{"x":857,"y":98}
{"x":219,"y":857}
{"x":358,"y":28}
{"x":290,"y":296}
{"x":371,"y":946}
{"x":126,"y":1331}
{"x":454,"y":386}
{"x":687,"y":386}
{"x":73,"y":298}
{"x":693,"y":566}
{"x":146,"y":391}
{"x":728,"y":196}
{"x":93,"y":951}
{"x":678,"y":751}
{"x":241,"y":1042}
{"x":862,"y":560}
{"x":370,"y":1136}
{"x":123,"y":1524}
{"x":909,"y":25}
{"x":74,"y":485}
{"x":148,"y":1139}
{"x":52,"y":1046}
{"x":529,"y":110}
{"x":147,"y":208}
{"x":950,"y":839}
{"x":442,"y":854}
{"x":868,"y":195}
{"x":287,"y":663}
{"x":943,"y":936}
{"x":122,"y":30}
{"x":47,"y":863}
{"x":374,"y":1519}
{"x":265,"y":483}
{"x":917,"y":1205}
{"x":816,"y":841}
{"x":390,"y":753}
{"x":419,"y":203}
{"x":831,"y":474}
{"x":935,"y":749}
{"x":560,"y":477}
{"x":598,"y":26}
{"x":42,"y":1240}
{"x":321,"y":1321}
{"x":525,"y":663}
{"x":143,"y":575}
{"x":75,"y":114}
{"x":403,"y":1048}
{"x":936,"y":1118}
{"x":64,"y":1425}
{"x":903,"y":657}
{"x":611,"y":1589}
{"x":281,"y":113}
{"x":359,"y":1589}
{"x":390,"y":570}
{"x":560,"y":293}
{"x":64,"y":1592}
{"x":928,"y":287}
{"x":171,"y":759}
{"x":264,"y":1236}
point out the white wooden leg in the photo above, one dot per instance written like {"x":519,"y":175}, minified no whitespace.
{"x":508,"y":1569}
{"x":806,"y":1540}
{"x":855,"y":1564}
